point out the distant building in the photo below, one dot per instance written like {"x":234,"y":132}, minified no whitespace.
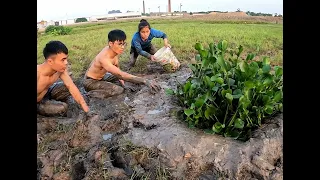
{"x":117,"y":16}
{"x":42,"y":24}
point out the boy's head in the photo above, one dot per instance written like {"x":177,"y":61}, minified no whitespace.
{"x":56,"y":55}
{"x":116,"y":40}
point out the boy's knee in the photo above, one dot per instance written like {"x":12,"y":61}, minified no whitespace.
{"x":53,"y":108}
{"x":118,"y":90}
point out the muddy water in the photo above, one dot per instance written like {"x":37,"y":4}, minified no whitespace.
{"x":136,"y":135}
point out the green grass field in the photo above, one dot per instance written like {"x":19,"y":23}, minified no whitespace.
{"x":85,"y":41}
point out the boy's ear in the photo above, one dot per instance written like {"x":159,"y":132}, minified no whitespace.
{"x":50,"y":61}
{"x":110,"y":43}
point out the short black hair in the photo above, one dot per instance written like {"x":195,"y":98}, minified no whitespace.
{"x":54,"y":47}
{"x":116,"y":35}
{"x":143,"y":23}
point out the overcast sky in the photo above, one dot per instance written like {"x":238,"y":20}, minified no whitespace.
{"x":62,"y":9}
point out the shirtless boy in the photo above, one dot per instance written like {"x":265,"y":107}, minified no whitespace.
{"x":51,"y":94}
{"x":104,"y":70}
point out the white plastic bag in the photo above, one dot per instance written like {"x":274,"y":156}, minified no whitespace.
{"x":165,"y":56}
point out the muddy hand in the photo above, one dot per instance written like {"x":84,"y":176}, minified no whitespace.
{"x":91,"y":113}
{"x":154,"y":87}
{"x":131,"y":88}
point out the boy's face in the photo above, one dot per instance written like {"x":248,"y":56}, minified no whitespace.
{"x":58,"y":62}
{"x":118,"y":46}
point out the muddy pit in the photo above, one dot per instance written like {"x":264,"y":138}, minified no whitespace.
{"x":136,"y":135}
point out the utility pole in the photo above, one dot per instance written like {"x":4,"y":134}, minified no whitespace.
{"x":66,"y":18}
{"x":180,"y":7}
{"x":149,"y":10}
{"x":159,"y":10}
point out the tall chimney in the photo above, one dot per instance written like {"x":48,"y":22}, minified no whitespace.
{"x":144,"y":10}
{"x":169,"y":6}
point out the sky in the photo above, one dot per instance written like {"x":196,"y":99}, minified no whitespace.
{"x":70,"y":9}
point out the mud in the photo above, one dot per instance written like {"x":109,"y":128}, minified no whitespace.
{"x":138,"y":136}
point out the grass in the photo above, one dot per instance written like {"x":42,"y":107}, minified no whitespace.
{"x":86,"y":41}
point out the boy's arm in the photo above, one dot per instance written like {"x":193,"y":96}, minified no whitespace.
{"x":117,"y":65}
{"x":74,"y":91}
{"x":108,"y":66}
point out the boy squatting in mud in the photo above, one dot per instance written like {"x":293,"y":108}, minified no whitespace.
{"x":104,"y":70}
{"x":48,"y":90}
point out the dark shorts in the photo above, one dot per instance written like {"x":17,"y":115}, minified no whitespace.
{"x":53,"y":101}
{"x":108,"y":86}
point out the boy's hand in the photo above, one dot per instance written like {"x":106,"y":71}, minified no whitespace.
{"x":154,"y":87}
{"x":131,"y":88}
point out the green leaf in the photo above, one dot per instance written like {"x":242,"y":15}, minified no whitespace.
{"x":237,"y":94}
{"x":194,"y":69}
{"x":268,"y":109}
{"x":278,"y":71}
{"x":211,"y":47}
{"x":193,"y":86}
{"x":209,"y":111}
{"x":232,"y":133}
{"x":238,"y":123}
{"x":224,"y":45}
{"x":169,"y":91}
{"x":243,"y":66}
{"x":266,"y":61}
{"x":219,"y":80}
{"x":199,"y":102}
{"x":266,"y":99}
{"x":209,"y":82}
{"x":229,"y":97}
{"x":212,"y":60}
{"x":268,"y":81}
{"x":189,"y":112}
{"x":198,"y":57}
{"x":280,"y":107}
{"x":240,"y":49}
{"x":215,"y":88}
{"x":213,"y":78}
{"x":250,"y":56}
{"x":192,"y":106}
{"x":217,"y":127}
{"x":198,"y":46}
{"x":254,"y":65}
{"x":224,"y":92}
{"x":231,"y":81}
{"x":222,"y":63}
{"x":266,"y":68}
{"x":186,"y":86}
{"x":203,"y":53}
{"x":244,"y":102}
{"x":208,"y":131}
{"x":277,"y":96}
{"x":249,"y":84}
{"x":195,"y":81}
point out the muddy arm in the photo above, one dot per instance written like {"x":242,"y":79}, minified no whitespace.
{"x":108,"y":66}
{"x":74,"y":91}
{"x":121,"y":80}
